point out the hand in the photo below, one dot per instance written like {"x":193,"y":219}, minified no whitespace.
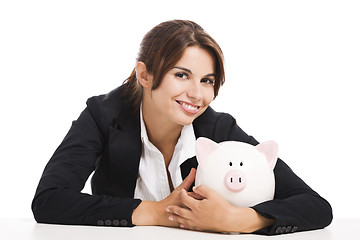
{"x":154,"y":213}
{"x":206,"y":214}
{"x":214,"y":213}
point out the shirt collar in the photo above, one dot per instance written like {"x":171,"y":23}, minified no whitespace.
{"x":143,"y":133}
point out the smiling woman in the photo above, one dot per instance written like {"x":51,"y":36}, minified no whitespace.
{"x":139,"y":140}
{"x":163,"y":46}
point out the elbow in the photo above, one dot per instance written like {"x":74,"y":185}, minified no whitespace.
{"x":328,"y":214}
{"x":322,"y":214}
{"x":38,"y":209}
{"x":41,"y":207}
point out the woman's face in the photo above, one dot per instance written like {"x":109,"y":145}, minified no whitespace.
{"x":187,"y":89}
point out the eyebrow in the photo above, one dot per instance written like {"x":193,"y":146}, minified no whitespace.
{"x":189,"y":71}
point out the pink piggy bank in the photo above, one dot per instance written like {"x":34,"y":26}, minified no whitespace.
{"x":241,"y":173}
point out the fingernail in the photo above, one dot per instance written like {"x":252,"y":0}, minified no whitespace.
{"x":182,"y":225}
{"x":168,"y":209}
{"x":171,"y":218}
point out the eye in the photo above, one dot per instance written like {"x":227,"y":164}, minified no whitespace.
{"x":230,"y":164}
{"x":241,"y":164}
{"x":182,"y":75}
{"x":208,"y":81}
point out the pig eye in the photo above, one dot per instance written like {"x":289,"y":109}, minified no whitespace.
{"x":230,"y":164}
{"x":241,"y":163}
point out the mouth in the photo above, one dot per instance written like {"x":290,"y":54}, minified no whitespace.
{"x":188,"y":107}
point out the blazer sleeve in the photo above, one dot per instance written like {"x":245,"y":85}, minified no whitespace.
{"x":58,"y":198}
{"x":295,"y":207}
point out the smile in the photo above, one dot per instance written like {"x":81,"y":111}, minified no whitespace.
{"x":188,"y":107}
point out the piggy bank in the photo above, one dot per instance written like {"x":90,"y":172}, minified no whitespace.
{"x":241,"y":173}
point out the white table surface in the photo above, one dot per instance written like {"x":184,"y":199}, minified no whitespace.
{"x":28,"y":229}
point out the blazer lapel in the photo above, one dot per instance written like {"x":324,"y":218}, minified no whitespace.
{"x":186,"y":166}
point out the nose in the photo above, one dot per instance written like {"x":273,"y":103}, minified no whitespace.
{"x":235,"y":181}
{"x":194,"y":91}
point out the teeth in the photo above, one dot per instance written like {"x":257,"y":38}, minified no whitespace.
{"x":189,"y":106}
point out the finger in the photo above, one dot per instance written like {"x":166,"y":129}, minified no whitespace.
{"x":196,"y":196}
{"x":188,"y":201}
{"x":186,"y":184}
{"x":177,"y":212}
{"x":185,"y":223}
{"x":180,"y":221}
{"x":204,"y":191}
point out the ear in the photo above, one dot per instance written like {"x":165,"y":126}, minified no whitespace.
{"x":271,"y":150}
{"x":142,"y":75}
{"x":204,"y":147}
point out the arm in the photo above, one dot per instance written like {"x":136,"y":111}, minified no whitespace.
{"x":295,"y":208}
{"x":58,"y":198}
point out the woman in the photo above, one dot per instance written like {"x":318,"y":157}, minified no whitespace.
{"x":139,"y":139}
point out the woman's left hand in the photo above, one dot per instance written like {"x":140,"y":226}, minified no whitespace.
{"x":213,"y":213}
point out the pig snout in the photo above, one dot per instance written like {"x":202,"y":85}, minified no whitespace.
{"x":235,"y":180}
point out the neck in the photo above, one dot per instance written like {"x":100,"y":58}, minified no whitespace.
{"x":161,"y":133}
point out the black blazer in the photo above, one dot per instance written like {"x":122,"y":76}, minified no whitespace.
{"x":106,"y":139}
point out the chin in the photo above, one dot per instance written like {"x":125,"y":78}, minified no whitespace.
{"x":184,"y":123}
{"x":184,"y":120}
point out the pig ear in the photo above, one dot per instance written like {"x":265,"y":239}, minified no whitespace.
{"x":271,"y":150}
{"x":204,"y":147}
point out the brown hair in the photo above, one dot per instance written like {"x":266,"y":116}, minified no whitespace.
{"x":163,"y":46}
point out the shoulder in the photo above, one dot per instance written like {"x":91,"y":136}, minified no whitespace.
{"x":107,"y":107}
{"x":114,"y":98}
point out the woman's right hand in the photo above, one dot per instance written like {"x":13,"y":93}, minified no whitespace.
{"x":154,"y":212}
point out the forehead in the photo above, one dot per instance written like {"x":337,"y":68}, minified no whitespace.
{"x":198,"y":60}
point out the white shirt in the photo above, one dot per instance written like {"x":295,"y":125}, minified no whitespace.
{"x":152,"y":183}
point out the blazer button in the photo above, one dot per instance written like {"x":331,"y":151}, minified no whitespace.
{"x":100,"y":223}
{"x":116,"y":223}
{"x":294,"y":229}
{"x":123,"y":222}
{"x":278,"y":230}
{"x":107,"y":222}
{"x":288,"y":229}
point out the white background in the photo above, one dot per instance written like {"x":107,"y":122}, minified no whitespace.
{"x":292,"y":69}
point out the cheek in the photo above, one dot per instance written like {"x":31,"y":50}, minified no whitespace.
{"x":208,"y":96}
{"x":163,"y":93}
